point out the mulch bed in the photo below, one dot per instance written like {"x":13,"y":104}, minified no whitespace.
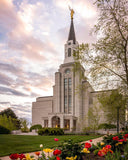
{"x":91,"y":156}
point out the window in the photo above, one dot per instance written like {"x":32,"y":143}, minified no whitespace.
{"x":45,"y":123}
{"x":66,"y":124}
{"x":69,"y":52}
{"x":69,"y":104}
{"x":67,"y":71}
{"x":68,"y":95}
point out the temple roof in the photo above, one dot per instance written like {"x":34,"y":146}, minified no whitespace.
{"x":71,"y":35}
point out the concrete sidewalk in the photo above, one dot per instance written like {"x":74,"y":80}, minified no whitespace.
{"x":94,"y":141}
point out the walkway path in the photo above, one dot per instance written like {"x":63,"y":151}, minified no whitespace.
{"x":94,"y":141}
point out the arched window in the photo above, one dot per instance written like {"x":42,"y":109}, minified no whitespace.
{"x":55,"y":122}
{"x":67,"y":71}
{"x":69,"y":52}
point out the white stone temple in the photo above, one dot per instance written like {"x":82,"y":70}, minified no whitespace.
{"x":66,"y":108}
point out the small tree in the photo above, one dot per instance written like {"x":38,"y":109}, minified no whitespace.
{"x":94,"y":118}
{"x":110,"y":105}
{"x":24,"y":125}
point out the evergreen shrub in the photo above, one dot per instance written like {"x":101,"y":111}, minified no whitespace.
{"x":50,"y":131}
{"x":106,"y":126}
{"x":36,"y":127}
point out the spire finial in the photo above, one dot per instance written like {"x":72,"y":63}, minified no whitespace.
{"x":72,"y":12}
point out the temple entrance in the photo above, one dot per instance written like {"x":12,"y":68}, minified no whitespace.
{"x":55,"y":122}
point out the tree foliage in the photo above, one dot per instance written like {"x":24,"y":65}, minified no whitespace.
{"x":7,"y":122}
{"x":24,"y":125}
{"x":107,"y":59}
{"x":109,"y":103}
{"x":10,"y":113}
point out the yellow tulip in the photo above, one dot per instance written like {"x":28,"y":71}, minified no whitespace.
{"x":48,"y":150}
{"x":102,"y":143}
{"x":71,"y":158}
{"x":85,"y":150}
{"x":28,"y":157}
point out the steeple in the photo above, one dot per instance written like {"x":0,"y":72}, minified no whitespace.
{"x":71,"y":35}
{"x":71,"y":44}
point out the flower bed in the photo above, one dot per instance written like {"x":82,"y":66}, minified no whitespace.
{"x":113,"y":147}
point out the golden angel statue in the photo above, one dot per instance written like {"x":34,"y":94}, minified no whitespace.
{"x":72,"y":12}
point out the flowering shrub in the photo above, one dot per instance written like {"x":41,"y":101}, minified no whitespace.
{"x":116,"y":141}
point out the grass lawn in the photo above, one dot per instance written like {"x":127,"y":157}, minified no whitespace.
{"x":22,"y":143}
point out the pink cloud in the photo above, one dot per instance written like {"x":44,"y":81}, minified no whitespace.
{"x":20,"y":38}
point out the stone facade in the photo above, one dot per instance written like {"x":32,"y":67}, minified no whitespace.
{"x":66,"y":108}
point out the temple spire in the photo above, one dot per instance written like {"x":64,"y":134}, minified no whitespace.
{"x":71,"y":35}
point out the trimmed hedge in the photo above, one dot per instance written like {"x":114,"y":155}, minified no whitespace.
{"x":106,"y":126}
{"x":4,"y":130}
{"x":37,"y":126}
{"x":50,"y":131}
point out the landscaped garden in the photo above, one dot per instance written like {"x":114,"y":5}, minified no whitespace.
{"x":113,"y":147}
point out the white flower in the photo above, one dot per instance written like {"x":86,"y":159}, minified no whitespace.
{"x":41,"y":145}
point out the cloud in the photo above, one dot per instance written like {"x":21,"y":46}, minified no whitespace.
{"x":5,"y":80}
{"x":9,"y":68}
{"x":9,"y":91}
{"x":8,"y":16}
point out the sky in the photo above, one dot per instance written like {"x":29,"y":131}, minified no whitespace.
{"x":32,"y":38}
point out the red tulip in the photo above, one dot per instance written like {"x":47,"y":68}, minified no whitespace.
{"x":14,"y":156}
{"x":21,"y":156}
{"x":87,"y":145}
{"x":57,"y":158}
{"x":57,"y":152}
{"x":90,"y":140}
{"x":55,"y":139}
{"x":126,"y":136}
{"x":116,"y":138}
{"x":121,"y":140}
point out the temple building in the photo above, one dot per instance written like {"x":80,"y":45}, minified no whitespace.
{"x":65,"y":109}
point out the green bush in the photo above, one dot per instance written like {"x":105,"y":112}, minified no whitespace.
{"x":70,"y":149}
{"x":36,"y":127}
{"x":4,"y":130}
{"x":50,"y":131}
{"x":106,"y":126}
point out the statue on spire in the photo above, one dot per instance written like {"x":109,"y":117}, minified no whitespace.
{"x":72,"y":12}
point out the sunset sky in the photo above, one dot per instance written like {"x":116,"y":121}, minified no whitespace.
{"x":32,"y":38}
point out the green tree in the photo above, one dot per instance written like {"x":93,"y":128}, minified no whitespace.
{"x":111,"y":103}
{"x":107,"y":59}
{"x":93,"y":117}
{"x":10,"y":113}
{"x":7,"y":122}
{"x":24,"y":124}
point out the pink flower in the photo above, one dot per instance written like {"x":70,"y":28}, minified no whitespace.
{"x":121,"y":140}
{"x":108,"y":146}
{"x":90,"y":140}
{"x":56,"y":139}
